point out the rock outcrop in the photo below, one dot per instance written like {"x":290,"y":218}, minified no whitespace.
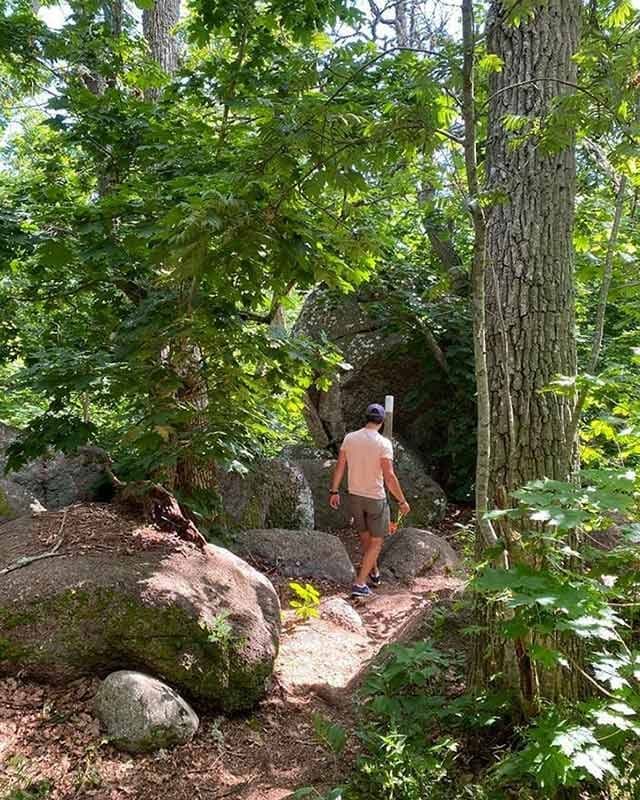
{"x":120,"y":594}
{"x":381,"y":362}
{"x":140,"y":714}
{"x":49,"y":482}
{"x":299,"y":554}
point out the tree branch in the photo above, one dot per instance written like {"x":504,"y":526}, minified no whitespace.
{"x":23,"y":561}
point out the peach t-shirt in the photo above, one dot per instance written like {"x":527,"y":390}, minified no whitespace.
{"x":364,"y":450}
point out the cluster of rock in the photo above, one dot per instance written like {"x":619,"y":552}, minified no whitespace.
{"x":291,"y":492}
{"x":204,"y":620}
{"x":380,"y":362}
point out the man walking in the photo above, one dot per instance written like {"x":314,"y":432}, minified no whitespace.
{"x":369,"y":458}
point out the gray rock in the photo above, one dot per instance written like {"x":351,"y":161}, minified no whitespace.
{"x":381,"y":362}
{"x":204,"y":621}
{"x":55,"y":480}
{"x":426,"y":498}
{"x":275,"y":494}
{"x":338,"y":611}
{"x":140,"y":713}
{"x":412,"y":552}
{"x":299,"y":554}
{"x":15,"y":501}
{"x":317,"y":466}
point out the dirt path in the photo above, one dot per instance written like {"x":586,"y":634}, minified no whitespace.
{"x":50,"y":734}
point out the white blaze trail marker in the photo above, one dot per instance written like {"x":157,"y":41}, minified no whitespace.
{"x":388,"y":416}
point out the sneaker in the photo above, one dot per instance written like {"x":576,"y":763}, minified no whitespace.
{"x":375,"y":579}
{"x":361,"y":591}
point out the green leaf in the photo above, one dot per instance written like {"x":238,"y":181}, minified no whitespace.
{"x":491,"y":62}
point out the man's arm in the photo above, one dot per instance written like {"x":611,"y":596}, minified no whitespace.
{"x":338,"y":475}
{"x":393,"y":484}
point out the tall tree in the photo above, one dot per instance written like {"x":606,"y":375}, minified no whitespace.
{"x":527,"y":254}
{"x":530,"y":287}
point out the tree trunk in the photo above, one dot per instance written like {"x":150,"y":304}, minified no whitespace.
{"x":190,"y":474}
{"x":158,"y":24}
{"x":529,"y":289}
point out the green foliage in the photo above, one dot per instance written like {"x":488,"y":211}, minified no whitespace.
{"x":398,"y":772}
{"x":156,"y":240}
{"x":306,"y":602}
{"x":330,"y":735}
{"x":34,"y":791}
{"x":220,"y":630}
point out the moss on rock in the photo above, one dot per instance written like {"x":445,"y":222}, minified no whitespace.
{"x":153,"y":611}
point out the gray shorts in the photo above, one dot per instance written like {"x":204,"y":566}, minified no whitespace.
{"x":370,"y":515}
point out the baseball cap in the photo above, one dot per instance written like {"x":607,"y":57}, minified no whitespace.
{"x":375,"y":412}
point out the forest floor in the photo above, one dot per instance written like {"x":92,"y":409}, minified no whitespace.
{"x":50,"y":740}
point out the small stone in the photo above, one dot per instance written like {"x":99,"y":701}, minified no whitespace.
{"x":338,"y":611}
{"x":141,"y":714}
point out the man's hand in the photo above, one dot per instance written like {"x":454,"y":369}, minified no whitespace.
{"x":334,"y":501}
{"x":405,"y":508}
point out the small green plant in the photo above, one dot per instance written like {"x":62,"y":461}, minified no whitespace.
{"x":329,"y":734}
{"x":220,"y":631}
{"x":397,"y":770}
{"x":38,"y":790}
{"x":216,"y":734}
{"x":307,"y":600}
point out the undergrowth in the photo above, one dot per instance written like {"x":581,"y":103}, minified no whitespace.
{"x":568,"y":589}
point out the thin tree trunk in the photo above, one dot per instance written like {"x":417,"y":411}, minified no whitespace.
{"x":478,"y":282}
{"x":598,"y":331}
{"x":190,"y":474}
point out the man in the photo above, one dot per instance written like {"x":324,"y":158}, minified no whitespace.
{"x":369,"y":457}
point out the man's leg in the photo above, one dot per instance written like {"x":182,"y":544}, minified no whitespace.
{"x":370,"y":559}
{"x":365,"y":541}
{"x":377,"y":522}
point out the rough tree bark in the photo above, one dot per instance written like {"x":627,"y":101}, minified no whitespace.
{"x":529,"y":288}
{"x":158,"y":25}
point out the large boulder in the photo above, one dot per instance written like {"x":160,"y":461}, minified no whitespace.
{"x":52,"y":482}
{"x":426,"y":498}
{"x":274,"y":494}
{"x":317,"y":465}
{"x":299,"y":554}
{"x":119,"y":594}
{"x":412,"y":552}
{"x":141,"y":714}
{"x":381,"y":361}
